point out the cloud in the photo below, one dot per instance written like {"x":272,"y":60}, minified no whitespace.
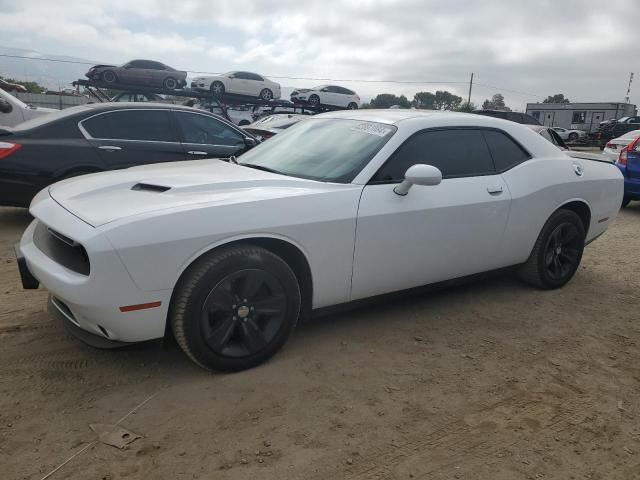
{"x":540,"y":47}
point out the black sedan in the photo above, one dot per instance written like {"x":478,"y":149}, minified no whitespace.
{"x":108,"y":136}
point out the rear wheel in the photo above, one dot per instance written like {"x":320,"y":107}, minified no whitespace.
{"x":557,"y":252}
{"x":352,"y":106}
{"x":170,"y":83}
{"x":235,"y":308}
{"x":109,"y":77}
{"x":266,"y":94}
{"x":625,"y":201}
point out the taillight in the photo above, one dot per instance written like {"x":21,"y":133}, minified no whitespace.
{"x":622,"y":158}
{"x":633,"y":144}
{"x":610,"y":145}
{"x":7,"y":148}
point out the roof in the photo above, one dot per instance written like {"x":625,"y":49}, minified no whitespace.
{"x":392,"y":116}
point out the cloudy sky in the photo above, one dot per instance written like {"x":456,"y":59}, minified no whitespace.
{"x":528,"y":49}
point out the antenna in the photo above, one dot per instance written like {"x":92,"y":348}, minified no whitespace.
{"x":626,"y":100}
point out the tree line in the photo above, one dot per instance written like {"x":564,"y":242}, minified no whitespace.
{"x":445,"y":100}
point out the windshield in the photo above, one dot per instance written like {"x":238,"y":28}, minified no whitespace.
{"x":328,"y":149}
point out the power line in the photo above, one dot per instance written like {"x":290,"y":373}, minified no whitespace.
{"x":318,"y":79}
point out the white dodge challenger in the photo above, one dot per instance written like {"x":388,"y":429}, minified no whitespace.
{"x":346,"y":205}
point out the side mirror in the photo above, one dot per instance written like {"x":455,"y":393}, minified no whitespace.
{"x":250,"y":142}
{"x":419,"y":174}
{"x":5,"y":107}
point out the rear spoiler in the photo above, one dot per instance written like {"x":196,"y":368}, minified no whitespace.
{"x":595,"y":157}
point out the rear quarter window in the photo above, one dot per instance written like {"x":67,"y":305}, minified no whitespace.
{"x":505,"y":151}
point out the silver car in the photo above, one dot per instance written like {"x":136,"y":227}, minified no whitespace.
{"x":147,"y":73}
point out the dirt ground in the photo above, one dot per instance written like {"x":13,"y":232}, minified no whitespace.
{"x":491,"y":380}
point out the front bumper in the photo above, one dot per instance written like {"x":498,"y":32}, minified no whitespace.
{"x":92,"y":302}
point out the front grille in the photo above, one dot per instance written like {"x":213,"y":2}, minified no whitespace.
{"x":61,"y":249}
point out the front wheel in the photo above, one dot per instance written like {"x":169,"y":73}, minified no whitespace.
{"x":573,"y":137}
{"x":217,"y":88}
{"x":235,"y":308}
{"x":314,"y":100}
{"x":557,"y":252}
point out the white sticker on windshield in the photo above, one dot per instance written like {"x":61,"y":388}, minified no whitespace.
{"x":373,"y":128}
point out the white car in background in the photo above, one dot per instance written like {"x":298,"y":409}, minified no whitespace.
{"x":239,"y":83}
{"x":569,"y":134}
{"x":14,"y":111}
{"x":612,"y":148}
{"x":228,"y":255}
{"x":327,"y":95}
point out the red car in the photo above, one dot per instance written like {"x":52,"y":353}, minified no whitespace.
{"x":11,"y":87}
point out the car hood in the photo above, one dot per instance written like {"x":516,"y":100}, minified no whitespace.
{"x":101,"y":198}
{"x":104,"y":66}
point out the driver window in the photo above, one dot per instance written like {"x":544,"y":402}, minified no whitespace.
{"x":457,"y":153}
{"x":206,"y":130}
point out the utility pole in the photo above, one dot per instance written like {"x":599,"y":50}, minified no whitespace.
{"x":626,"y":100}
{"x":471,"y":85}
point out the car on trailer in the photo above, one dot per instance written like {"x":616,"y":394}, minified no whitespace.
{"x":139,"y":72}
{"x":239,"y":83}
{"x":327,"y":96}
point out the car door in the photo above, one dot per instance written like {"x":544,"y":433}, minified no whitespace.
{"x":332,"y":97}
{"x":255,"y":84}
{"x":434,"y":233}
{"x":128,"y":137}
{"x":240,"y":84}
{"x":204,"y":136}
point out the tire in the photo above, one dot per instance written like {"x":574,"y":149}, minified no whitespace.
{"x":212,"y":322}
{"x":217,"y":88}
{"x":314,"y":100}
{"x":573,"y":137}
{"x":109,"y":76}
{"x":243,"y":123}
{"x":352,"y":106}
{"x":266,"y":94}
{"x":170,"y":83}
{"x":625,"y":201}
{"x":557,"y":252}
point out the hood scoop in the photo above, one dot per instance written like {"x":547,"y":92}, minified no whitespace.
{"x":148,"y":187}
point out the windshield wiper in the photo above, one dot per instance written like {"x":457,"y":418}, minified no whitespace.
{"x":233,"y":159}
{"x":260,"y":167}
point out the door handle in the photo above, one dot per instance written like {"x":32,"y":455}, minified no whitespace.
{"x":109,"y":148}
{"x":196,"y":152}
{"x":494,"y":190}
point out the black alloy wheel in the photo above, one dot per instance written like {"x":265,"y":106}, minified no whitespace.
{"x":562,"y":253}
{"x":557,"y":252}
{"x":235,"y":307}
{"x":243,"y":313}
{"x":314,"y":100}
